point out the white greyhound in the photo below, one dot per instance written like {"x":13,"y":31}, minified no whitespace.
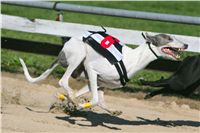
{"x":82,"y":60}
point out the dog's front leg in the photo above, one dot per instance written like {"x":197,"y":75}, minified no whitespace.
{"x":82,"y":91}
{"x":101,"y":101}
{"x":92,"y":75}
{"x":103,"y":105}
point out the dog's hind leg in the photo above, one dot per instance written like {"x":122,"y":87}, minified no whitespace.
{"x":158,"y":83}
{"x":157,"y":92}
{"x":64,"y":81}
{"x":71,"y":56}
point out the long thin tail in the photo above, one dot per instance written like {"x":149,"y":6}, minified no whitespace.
{"x":42,"y":76}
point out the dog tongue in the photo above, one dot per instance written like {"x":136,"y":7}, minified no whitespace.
{"x":168,"y":51}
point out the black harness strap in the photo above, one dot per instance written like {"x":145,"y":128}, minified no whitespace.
{"x":122,"y":72}
{"x":121,"y":69}
{"x":152,"y":50}
{"x":123,"y":82}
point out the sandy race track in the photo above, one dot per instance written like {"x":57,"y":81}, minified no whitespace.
{"x":138,"y":115}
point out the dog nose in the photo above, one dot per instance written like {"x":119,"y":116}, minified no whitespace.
{"x":185,"y":46}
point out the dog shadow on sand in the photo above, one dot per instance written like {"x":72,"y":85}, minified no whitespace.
{"x":104,"y":120}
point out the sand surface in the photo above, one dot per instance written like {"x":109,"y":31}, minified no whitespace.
{"x":138,"y":115}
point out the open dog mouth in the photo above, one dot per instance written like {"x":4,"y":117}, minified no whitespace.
{"x":174,"y":52}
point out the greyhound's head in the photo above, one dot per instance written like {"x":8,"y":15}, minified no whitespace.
{"x":167,"y":46}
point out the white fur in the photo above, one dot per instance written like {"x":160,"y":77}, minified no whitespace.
{"x":41,"y":77}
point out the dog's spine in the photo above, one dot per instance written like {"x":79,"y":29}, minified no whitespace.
{"x":42,"y":76}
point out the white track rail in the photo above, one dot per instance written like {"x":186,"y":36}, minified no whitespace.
{"x":72,"y":29}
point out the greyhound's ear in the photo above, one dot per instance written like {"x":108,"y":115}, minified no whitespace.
{"x":148,"y":36}
{"x":150,"y":39}
{"x":144,"y":36}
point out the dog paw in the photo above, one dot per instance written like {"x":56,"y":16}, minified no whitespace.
{"x":66,"y":103}
{"x":116,"y":112}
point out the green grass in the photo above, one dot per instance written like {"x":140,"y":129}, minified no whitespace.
{"x":173,"y":7}
{"x":38,"y":63}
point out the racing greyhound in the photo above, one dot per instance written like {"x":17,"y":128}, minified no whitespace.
{"x":82,"y":60}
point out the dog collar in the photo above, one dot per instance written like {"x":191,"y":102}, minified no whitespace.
{"x":158,"y":57}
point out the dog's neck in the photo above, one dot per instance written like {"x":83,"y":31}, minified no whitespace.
{"x":139,"y":58}
{"x":146,"y":55}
